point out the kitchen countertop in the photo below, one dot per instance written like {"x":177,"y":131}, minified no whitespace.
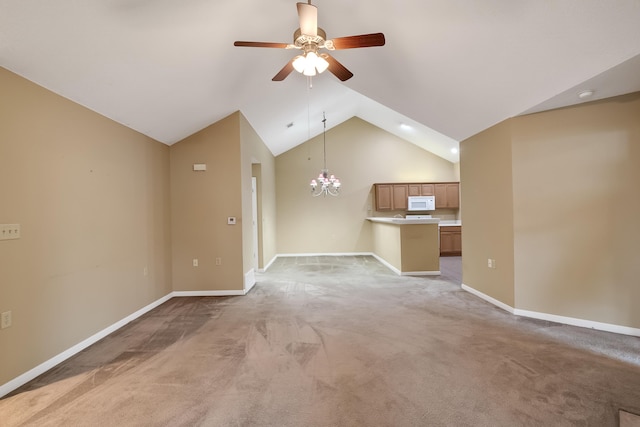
{"x":394,"y":220}
{"x":402,"y":221}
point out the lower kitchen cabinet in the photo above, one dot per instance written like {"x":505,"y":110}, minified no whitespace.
{"x":451,"y":240}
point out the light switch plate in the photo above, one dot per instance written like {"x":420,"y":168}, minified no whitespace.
{"x":5,"y":320}
{"x":9,"y":231}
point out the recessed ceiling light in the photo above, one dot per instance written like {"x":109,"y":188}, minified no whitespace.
{"x":404,"y":126}
{"x":585,"y":94}
{"x":454,"y":150}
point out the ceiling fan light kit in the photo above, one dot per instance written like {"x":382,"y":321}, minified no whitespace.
{"x":310,"y":38}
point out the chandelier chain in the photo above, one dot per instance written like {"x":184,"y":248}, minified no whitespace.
{"x":325,"y":184}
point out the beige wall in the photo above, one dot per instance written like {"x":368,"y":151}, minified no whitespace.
{"x":487,"y":196}
{"x":416,"y":255}
{"x":576,"y":173}
{"x":201,"y":202}
{"x":360,"y":154}
{"x":387,"y":243}
{"x":575,"y":205}
{"x":92,"y":198}
{"x":258,"y":161}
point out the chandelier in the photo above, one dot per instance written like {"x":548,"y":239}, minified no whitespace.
{"x":325,"y":184}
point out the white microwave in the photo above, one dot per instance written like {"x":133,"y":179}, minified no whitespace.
{"x":421,"y":203}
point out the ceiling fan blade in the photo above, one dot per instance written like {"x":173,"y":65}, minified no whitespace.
{"x":308,"y":14}
{"x":336,"y":68}
{"x":364,"y":40}
{"x":282,"y":74}
{"x":261,"y":44}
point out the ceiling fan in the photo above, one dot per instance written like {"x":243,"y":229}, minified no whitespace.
{"x":310,"y":38}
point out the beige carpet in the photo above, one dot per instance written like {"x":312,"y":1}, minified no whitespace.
{"x":328,"y":341}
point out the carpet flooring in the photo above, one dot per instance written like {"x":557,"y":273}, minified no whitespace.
{"x":338,"y":341}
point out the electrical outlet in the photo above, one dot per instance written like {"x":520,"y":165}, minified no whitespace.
{"x":6,"y":320}
{"x":218,"y":261}
{"x":489,"y":263}
{"x":195,"y":262}
{"x":9,"y":231}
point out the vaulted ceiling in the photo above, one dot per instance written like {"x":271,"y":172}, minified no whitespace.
{"x":449,"y":69}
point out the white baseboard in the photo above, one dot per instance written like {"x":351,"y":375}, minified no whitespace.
{"x":404,"y":273}
{"x":249,"y":280}
{"x":326,"y":254}
{"x":56,"y":360}
{"x":489,"y":299}
{"x":266,"y":267}
{"x":583,"y":323}
{"x":386,"y":264}
{"x":420,"y":273}
{"x":45,"y":366}
{"x":231,"y":293}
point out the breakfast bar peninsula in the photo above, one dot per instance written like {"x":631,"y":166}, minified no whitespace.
{"x":407,"y":246}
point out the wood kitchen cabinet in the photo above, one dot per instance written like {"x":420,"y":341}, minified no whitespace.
{"x":447,"y":195}
{"x":427,"y":190}
{"x":415,"y":189}
{"x":393,"y":197}
{"x":384,"y":197}
{"x":451,"y":240}
{"x":400,"y":196}
{"x":420,"y":189}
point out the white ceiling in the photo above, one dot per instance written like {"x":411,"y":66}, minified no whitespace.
{"x":449,"y":69}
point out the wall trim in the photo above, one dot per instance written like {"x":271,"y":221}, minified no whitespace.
{"x":262,"y":270}
{"x":583,"y":323}
{"x":231,"y":293}
{"x":326,"y":254}
{"x":489,"y":299}
{"x":421,"y":273}
{"x":249,"y":280}
{"x":56,"y":360}
{"x":72,"y":351}
{"x":386,"y":264}
{"x":404,"y":273}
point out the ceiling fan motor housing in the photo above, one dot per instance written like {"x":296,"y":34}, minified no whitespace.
{"x":311,"y":43}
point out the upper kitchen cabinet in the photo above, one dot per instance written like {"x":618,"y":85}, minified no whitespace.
{"x":393,"y":197}
{"x":421,"y":189}
{"x":415,"y":189}
{"x":447,"y":195}
{"x":390,"y":197}
{"x":384,"y":197}
{"x":427,"y":190}
{"x":400,"y":196}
